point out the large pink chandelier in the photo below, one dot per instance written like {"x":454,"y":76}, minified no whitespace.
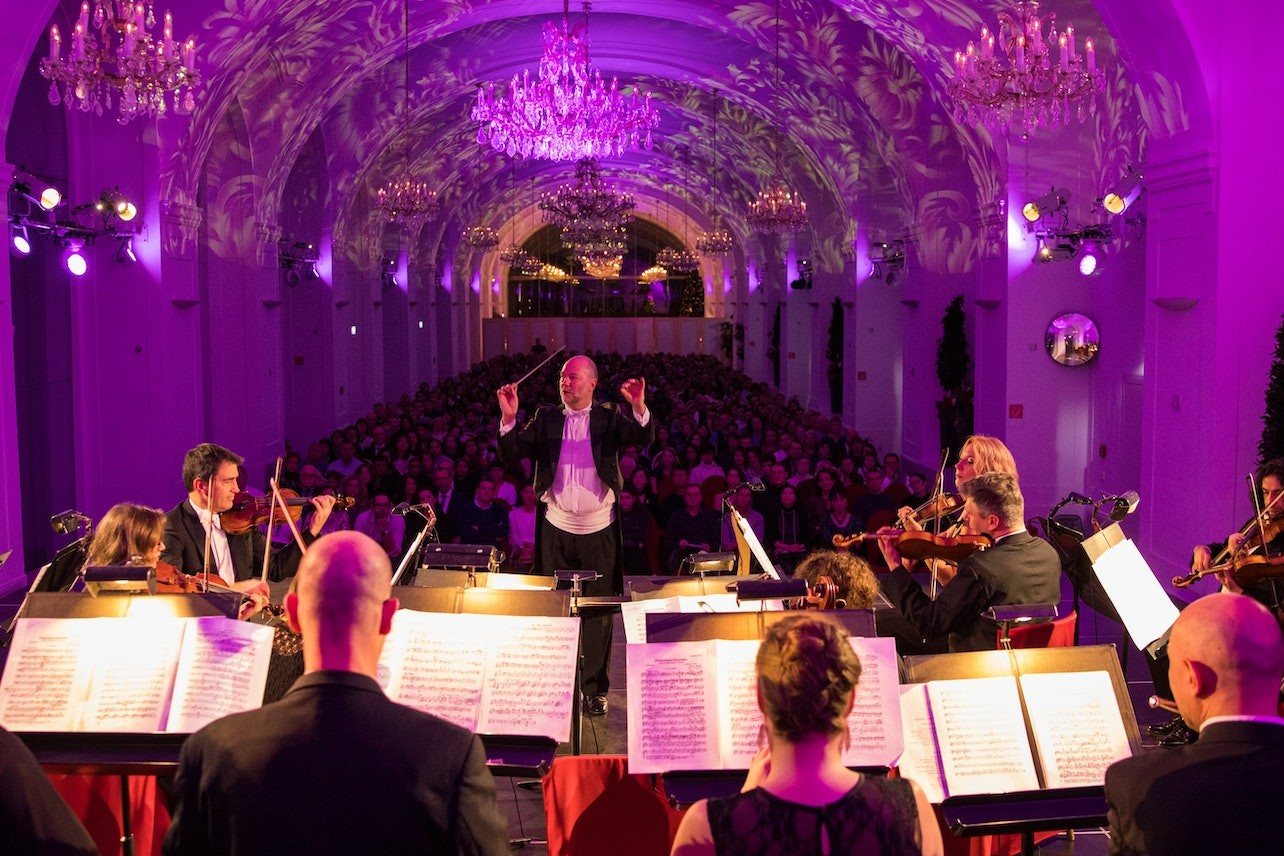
{"x":115,"y":50}
{"x":1032,"y":89}
{"x":569,"y":112}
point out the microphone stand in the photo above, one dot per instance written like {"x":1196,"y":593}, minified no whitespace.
{"x":413,"y":551}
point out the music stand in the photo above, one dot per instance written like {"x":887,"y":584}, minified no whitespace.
{"x":469,"y":558}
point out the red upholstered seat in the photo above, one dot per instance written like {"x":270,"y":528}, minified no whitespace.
{"x":1049,"y":634}
{"x":593,"y":806}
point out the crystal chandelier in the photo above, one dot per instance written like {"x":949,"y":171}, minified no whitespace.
{"x":603,"y":248}
{"x":588,"y":212}
{"x":406,"y":201}
{"x":777,"y":210}
{"x":569,"y":112}
{"x":655,"y":273}
{"x":481,"y":237}
{"x":679,"y":260}
{"x":607,"y":269}
{"x":716,"y":241}
{"x":116,"y":50}
{"x":1033,"y":89}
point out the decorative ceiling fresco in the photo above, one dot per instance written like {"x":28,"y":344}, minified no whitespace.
{"x":299,"y":116}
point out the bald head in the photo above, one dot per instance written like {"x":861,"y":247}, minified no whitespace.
{"x":341,"y":602}
{"x":577,"y":382}
{"x":1226,"y":658}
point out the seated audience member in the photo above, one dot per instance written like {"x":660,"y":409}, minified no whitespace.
{"x":635,"y":527}
{"x":322,"y":759}
{"x":1018,"y":568}
{"x":857,"y":585}
{"x":33,"y":817}
{"x":791,"y":533}
{"x":799,"y":797}
{"x":481,"y":520}
{"x":1219,"y":794}
{"x":838,"y":521}
{"x":691,"y":530}
{"x":379,"y":524}
{"x":521,"y":531}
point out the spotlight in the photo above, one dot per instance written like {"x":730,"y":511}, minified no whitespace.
{"x":1093,"y":259}
{"x":19,"y":240}
{"x":44,"y":195}
{"x":1055,"y":248}
{"x":73,"y":259}
{"x":1118,"y":200}
{"x":125,"y":253}
{"x":310,"y":271}
{"x":113,"y":203}
{"x":1047,"y":204}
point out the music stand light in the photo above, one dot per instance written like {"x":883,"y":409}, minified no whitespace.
{"x":709,"y":563}
{"x":120,"y":579}
{"x":793,"y":587}
{"x":461,"y":557}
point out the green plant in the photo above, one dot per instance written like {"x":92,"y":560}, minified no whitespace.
{"x":773,"y":352}
{"x":834,"y":356}
{"x":1272,"y":443}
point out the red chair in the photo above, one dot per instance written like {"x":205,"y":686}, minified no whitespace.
{"x":1049,"y":634}
{"x":593,"y":806}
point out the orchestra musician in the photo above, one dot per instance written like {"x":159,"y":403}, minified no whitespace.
{"x":1219,"y":795}
{"x":979,"y":455}
{"x":575,"y":451}
{"x":1268,"y":487}
{"x":211,"y":476}
{"x":1018,"y":568}
{"x":857,"y":586}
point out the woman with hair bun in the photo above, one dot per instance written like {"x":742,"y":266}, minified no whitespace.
{"x":799,"y":797}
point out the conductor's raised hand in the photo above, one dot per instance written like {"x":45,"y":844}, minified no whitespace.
{"x":507,"y":395}
{"x":634,"y":392}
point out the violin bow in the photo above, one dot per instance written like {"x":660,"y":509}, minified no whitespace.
{"x":937,"y":492}
{"x":279,"y":502}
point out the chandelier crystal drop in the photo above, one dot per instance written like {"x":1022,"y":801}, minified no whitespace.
{"x":777,"y":210}
{"x":569,"y":112}
{"x":115,"y":51}
{"x":1033,"y":88}
{"x":481,"y":237}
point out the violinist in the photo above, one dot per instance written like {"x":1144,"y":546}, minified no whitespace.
{"x":980,"y":454}
{"x":1019,"y":568}
{"x":1268,"y":487}
{"x":211,"y":476}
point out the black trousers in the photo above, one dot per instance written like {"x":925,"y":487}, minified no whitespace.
{"x":564,"y":551}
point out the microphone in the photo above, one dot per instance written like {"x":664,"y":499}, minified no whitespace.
{"x":401,"y":509}
{"x":755,"y":485}
{"x":1124,"y":504}
{"x":1078,"y":499}
{"x":67,"y":522}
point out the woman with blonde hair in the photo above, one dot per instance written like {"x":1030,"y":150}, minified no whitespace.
{"x":799,"y":797}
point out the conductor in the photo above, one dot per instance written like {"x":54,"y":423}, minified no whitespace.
{"x":576,"y":457}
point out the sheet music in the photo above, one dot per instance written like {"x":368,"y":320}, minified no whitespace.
{"x":134,"y":674}
{"x":435,"y":664}
{"x":1143,"y":605}
{"x":671,"y":724}
{"x":46,"y":681}
{"x":530,"y":675}
{"x":875,"y":722}
{"x":1077,"y":726}
{"x":920,"y":761}
{"x":634,"y":614}
{"x":745,"y":534}
{"x":222,"y":669}
{"x":981,"y":735}
{"x":494,"y":674}
{"x":739,"y":718}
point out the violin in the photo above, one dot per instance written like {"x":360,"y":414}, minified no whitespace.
{"x":940,"y":505}
{"x":248,"y":511}
{"x":922,"y":544}
{"x":1244,"y":570}
{"x":171,"y":580}
{"x":823,"y":595}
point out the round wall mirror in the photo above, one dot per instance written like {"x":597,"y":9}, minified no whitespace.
{"x":1072,"y":339}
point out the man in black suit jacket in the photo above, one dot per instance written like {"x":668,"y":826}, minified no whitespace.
{"x":335,"y":767}
{"x":576,"y":457}
{"x":1221,"y":793}
{"x":211,"y":477}
{"x":1018,"y":568}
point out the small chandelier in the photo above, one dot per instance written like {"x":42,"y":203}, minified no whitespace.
{"x":716,"y":242}
{"x":1033,"y":89}
{"x":406,"y":201}
{"x":679,"y":260}
{"x":529,"y":264}
{"x":602,"y":249}
{"x":605,"y":269}
{"x":124,"y":55}
{"x":778,"y":210}
{"x":588,"y":211}
{"x":569,"y":112}
{"x":655,"y":273}
{"x":481,"y":237}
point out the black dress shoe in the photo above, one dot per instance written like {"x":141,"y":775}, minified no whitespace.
{"x":1164,"y":729}
{"x":1181,"y":737}
{"x":595,"y":705}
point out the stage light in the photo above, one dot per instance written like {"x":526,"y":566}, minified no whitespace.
{"x":1093,"y":259}
{"x":113,"y":203}
{"x":44,"y":195}
{"x":19,"y":240}
{"x":1122,"y":197}
{"x":1046,"y":205}
{"x":125,"y":253}
{"x":73,"y":259}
